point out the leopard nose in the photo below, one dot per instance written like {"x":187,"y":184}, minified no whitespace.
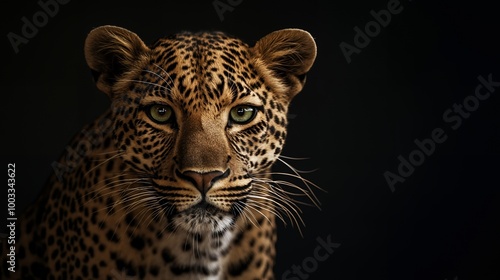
{"x":203,"y":180}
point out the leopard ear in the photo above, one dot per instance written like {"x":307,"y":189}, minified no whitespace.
{"x":111,"y":52}
{"x":284,"y":57}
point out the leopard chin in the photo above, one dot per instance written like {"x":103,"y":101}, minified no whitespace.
{"x":203,"y":218}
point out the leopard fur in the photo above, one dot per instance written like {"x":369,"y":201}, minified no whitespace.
{"x":172,"y":182}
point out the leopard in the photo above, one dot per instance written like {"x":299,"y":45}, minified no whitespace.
{"x":174,"y":180}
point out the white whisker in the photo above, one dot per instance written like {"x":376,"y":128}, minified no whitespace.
{"x":282,"y":194}
{"x":166,"y":73}
{"x":120,"y":153}
{"x":151,"y":84}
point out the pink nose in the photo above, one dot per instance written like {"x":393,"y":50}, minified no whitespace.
{"x":203,"y":181}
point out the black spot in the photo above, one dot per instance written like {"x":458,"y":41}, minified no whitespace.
{"x":236,"y":269}
{"x":238,"y":238}
{"x":93,"y":217}
{"x":186,"y":246}
{"x":54,"y":254}
{"x":110,"y":205}
{"x":129,"y":218}
{"x":78,"y":263}
{"x":198,"y":238}
{"x":109,"y":166}
{"x":39,"y":270}
{"x":95,"y":272}
{"x":107,"y":143}
{"x":137,"y":243}
{"x":167,"y":257}
{"x":135,"y":160}
{"x":83,"y":247}
{"x":258,"y":263}
{"x":154,"y":271}
{"x":120,"y":264}
{"x":85,"y":271}
{"x":111,"y":235}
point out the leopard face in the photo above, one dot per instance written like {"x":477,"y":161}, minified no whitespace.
{"x":201,"y":117}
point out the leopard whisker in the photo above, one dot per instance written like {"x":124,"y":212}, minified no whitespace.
{"x":147,"y":202}
{"x":279,"y":199}
{"x":166,"y":73}
{"x":244,"y":211}
{"x":157,"y":75}
{"x":282,"y":202}
{"x":256,"y":209}
{"x":297,"y":173}
{"x":139,"y":198}
{"x":150,"y":84}
{"x":289,"y":208}
{"x":308,"y":192}
{"x":156,"y":211}
{"x":268,"y":208}
{"x":272,"y":192}
{"x":120,"y":153}
{"x":111,"y":183}
{"x":275,"y":186}
{"x":119,"y":201}
{"x":114,"y":184}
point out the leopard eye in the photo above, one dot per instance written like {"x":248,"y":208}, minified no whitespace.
{"x":242,"y":114}
{"x":160,"y":113}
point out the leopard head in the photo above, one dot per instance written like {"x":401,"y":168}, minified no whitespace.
{"x":200,"y":118}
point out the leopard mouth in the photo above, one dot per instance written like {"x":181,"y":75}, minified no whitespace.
{"x":203,"y":218}
{"x":204,"y":208}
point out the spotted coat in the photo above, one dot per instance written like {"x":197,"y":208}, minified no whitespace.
{"x":173,"y":181}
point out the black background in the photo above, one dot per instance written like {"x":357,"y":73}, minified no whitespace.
{"x":352,"y":121}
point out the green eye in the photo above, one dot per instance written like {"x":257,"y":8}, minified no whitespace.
{"x":160,"y":113}
{"x":242,"y":114}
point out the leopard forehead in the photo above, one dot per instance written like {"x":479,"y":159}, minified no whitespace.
{"x":200,"y":72}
